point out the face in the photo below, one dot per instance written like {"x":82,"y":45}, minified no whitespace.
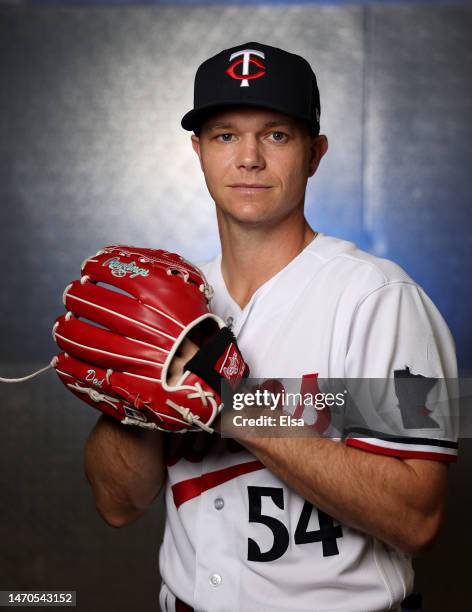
{"x":256,"y":164}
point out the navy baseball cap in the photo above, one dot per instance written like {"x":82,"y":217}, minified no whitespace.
{"x":254,"y":74}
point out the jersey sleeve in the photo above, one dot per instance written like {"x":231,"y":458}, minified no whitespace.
{"x":401,"y":377}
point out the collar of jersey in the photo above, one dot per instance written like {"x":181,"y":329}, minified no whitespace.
{"x":281,"y":295}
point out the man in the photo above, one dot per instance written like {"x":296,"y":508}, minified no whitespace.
{"x":288,"y":523}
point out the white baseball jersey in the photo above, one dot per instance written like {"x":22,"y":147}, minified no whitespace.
{"x":237,"y":538}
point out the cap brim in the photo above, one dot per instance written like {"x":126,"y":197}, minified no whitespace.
{"x":194,"y":118}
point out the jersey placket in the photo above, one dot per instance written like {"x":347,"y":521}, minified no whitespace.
{"x":217,"y":566}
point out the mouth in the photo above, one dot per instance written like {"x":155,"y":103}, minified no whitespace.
{"x":250,"y":187}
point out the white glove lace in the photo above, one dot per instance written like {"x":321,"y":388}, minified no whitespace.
{"x":188,"y":415}
{"x":28,"y":376}
{"x":96,"y":395}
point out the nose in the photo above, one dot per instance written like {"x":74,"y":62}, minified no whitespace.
{"x":250,"y":155}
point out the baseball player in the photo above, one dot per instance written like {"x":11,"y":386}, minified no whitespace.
{"x":289,"y":523}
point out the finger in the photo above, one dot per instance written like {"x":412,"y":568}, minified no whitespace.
{"x":93,"y":344}
{"x":105,"y":390}
{"x":120,"y":313}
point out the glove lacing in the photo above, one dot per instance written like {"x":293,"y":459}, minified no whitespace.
{"x":96,"y":395}
{"x":23,"y":378}
{"x":187,"y":414}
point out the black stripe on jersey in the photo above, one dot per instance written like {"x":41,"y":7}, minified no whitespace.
{"x":370,"y":433}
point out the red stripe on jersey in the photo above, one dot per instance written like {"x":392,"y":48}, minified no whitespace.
{"x":193,"y":487}
{"x":395,"y":452}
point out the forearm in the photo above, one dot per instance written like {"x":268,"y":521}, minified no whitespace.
{"x":379,"y":495}
{"x":125,"y":469}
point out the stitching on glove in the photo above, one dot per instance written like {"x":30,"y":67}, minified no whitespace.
{"x":128,"y":421}
{"x":200,"y":393}
{"x":92,"y":348}
{"x":188,"y":416}
{"x":177,"y":272}
{"x":96,"y":395}
{"x":122,"y":316}
{"x":152,"y":379}
{"x":163,"y":314}
{"x":64,"y":295}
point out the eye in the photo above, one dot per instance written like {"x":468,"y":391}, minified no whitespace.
{"x":278,"y":136}
{"x":226,"y":137}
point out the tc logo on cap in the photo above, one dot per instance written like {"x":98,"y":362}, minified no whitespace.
{"x":246,"y":60}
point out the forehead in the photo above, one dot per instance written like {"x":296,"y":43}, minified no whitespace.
{"x":251,"y":117}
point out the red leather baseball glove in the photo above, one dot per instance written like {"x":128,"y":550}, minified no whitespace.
{"x":127,"y":317}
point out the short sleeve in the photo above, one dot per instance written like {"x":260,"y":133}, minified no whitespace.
{"x":401,"y":377}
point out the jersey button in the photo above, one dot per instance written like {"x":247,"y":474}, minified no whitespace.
{"x":219,"y":503}
{"x":215,"y":580}
{"x":230,"y":321}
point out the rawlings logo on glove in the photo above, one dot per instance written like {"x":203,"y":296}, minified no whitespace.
{"x":128,"y":316}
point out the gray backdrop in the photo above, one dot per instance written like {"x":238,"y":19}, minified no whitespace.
{"x":91,"y":153}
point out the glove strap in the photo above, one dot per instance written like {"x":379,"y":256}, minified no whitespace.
{"x":219,"y":358}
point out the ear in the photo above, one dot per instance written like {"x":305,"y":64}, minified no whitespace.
{"x":196,"y":147}
{"x":195,"y":143}
{"x":319,"y":146}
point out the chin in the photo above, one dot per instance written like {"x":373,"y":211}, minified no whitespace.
{"x":255,"y":219}
{"x":248,"y":213}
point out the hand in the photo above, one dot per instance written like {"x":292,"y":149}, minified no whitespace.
{"x":184,"y":353}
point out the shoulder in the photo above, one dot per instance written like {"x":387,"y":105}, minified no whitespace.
{"x":348,"y":266}
{"x":369,"y":284}
{"x":373,"y":294}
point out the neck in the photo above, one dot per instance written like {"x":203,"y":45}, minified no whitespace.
{"x":251,"y":256}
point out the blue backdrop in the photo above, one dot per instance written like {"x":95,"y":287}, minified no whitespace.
{"x":93,"y":152}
